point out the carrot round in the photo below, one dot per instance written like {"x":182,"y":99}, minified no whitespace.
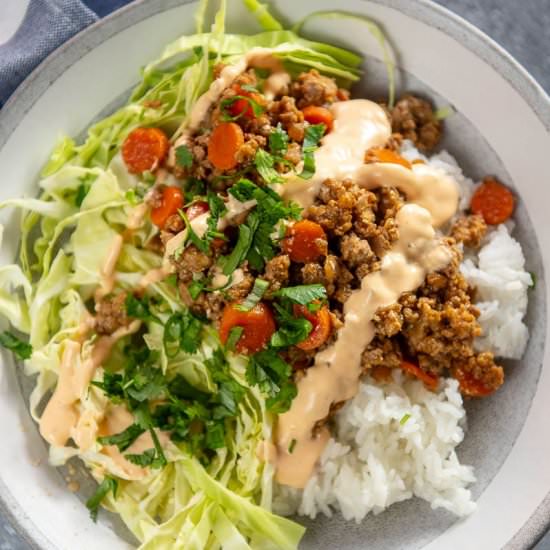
{"x":322,"y":326}
{"x":493,"y":201}
{"x":431,"y":381}
{"x":258,"y":326}
{"x":319,"y":115}
{"x":226,"y":139}
{"x":305,"y":241}
{"x":172,"y":201}
{"x":242,"y":107}
{"x":389,"y":156}
{"x":144,"y":148}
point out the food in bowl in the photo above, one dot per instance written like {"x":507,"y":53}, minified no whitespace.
{"x":249,"y":292}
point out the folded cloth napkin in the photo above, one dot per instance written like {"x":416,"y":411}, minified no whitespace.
{"x":46,"y":25}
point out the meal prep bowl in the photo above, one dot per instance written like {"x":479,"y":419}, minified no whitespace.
{"x":501,"y":127}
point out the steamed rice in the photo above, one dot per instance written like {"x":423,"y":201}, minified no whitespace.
{"x":392,"y":442}
{"x":395,"y":441}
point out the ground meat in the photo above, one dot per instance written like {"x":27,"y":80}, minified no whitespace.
{"x":154,"y":197}
{"x":435,"y":327}
{"x":469,"y":230}
{"x":293,"y":153}
{"x":312,"y":88}
{"x":247,"y":152}
{"x":276,"y":272}
{"x":382,"y":352}
{"x":414,"y":119}
{"x":190,"y":261}
{"x":388,"y":321}
{"x":174,"y":224}
{"x":355,"y":251}
{"x":111,"y":314}
{"x":482,"y":368}
{"x":242,"y":289}
{"x":312,"y":273}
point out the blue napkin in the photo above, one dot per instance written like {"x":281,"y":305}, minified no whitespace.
{"x":46,"y":25}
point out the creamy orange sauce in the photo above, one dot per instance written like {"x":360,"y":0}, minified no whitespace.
{"x":61,"y":416}
{"x":108,"y":278}
{"x":335,"y":375}
{"x":360,"y":124}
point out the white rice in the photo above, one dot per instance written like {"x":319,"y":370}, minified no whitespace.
{"x":379,"y":454}
{"x":392,"y":442}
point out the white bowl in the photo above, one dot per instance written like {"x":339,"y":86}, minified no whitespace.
{"x":501,"y":128}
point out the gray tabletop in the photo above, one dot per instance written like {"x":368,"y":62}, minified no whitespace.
{"x":523,"y":28}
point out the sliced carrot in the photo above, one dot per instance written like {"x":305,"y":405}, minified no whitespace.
{"x":319,"y":115}
{"x":389,"y":156}
{"x":144,"y":149}
{"x":305,"y":241}
{"x":494,"y":201}
{"x":258,"y":326}
{"x":242,"y":107}
{"x":430,"y":380}
{"x":322,"y":326}
{"x":172,"y":201}
{"x":471,"y":386}
{"x":226,"y":139}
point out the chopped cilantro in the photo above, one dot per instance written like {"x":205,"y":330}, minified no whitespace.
{"x":404,"y":419}
{"x":215,"y":436}
{"x":139,"y":309}
{"x":131,"y":197}
{"x":182,"y":332}
{"x":244,"y":242}
{"x":256,"y":294}
{"x":264,"y":163}
{"x":108,"y":485}
{"x":123,"y":439}
{"x":272,"y":375}
{"x":303,"y":294}
{"x":184,"y":157}
{"x":194,"y":188}
{"x":234,"y":335}
{"x":278,"y":141}
{"x":21,"y":349}
{"x":313,"y":135}
{"x":291,"y":446}
{"x":194,"y":288}
{"x":290,"y":329}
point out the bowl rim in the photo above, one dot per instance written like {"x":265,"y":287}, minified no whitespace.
{"x":425,"y":11}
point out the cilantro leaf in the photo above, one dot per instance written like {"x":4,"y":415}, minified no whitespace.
{"x":194,"y":188}
{"x":278,"y":141}
{"x":139,"y":309}
{"x":215,"y":436}
{"x":21,"y":349}
{"x":145,"y":459}
{"x":124,"y":439}
{"x":312,"y":136}
{"x":244,"y":242}
{"x":291,"y":330}
{"x":148,"y":382}
{"x":108,"y":485}
{"x":303,"y":294}
{"x":217,"y":209}
{"x":264,"y":163}
{"x":271,"y":374}
{"x":256,"y":294}
{"x":184,"y":157}
{"x":194,"y":288}
{"x":182,"y":332}
{"x":234,"y":335}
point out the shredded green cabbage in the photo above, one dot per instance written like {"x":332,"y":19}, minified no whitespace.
{"x":86,"y":197}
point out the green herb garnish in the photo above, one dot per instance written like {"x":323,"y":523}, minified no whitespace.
{"x":107,"y":486}
{"x":21,"y":349}
{"x":184,"y":157}
{"x":303,"y":294}
{"x":313,"y":135}
{"x":256,"y":294}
